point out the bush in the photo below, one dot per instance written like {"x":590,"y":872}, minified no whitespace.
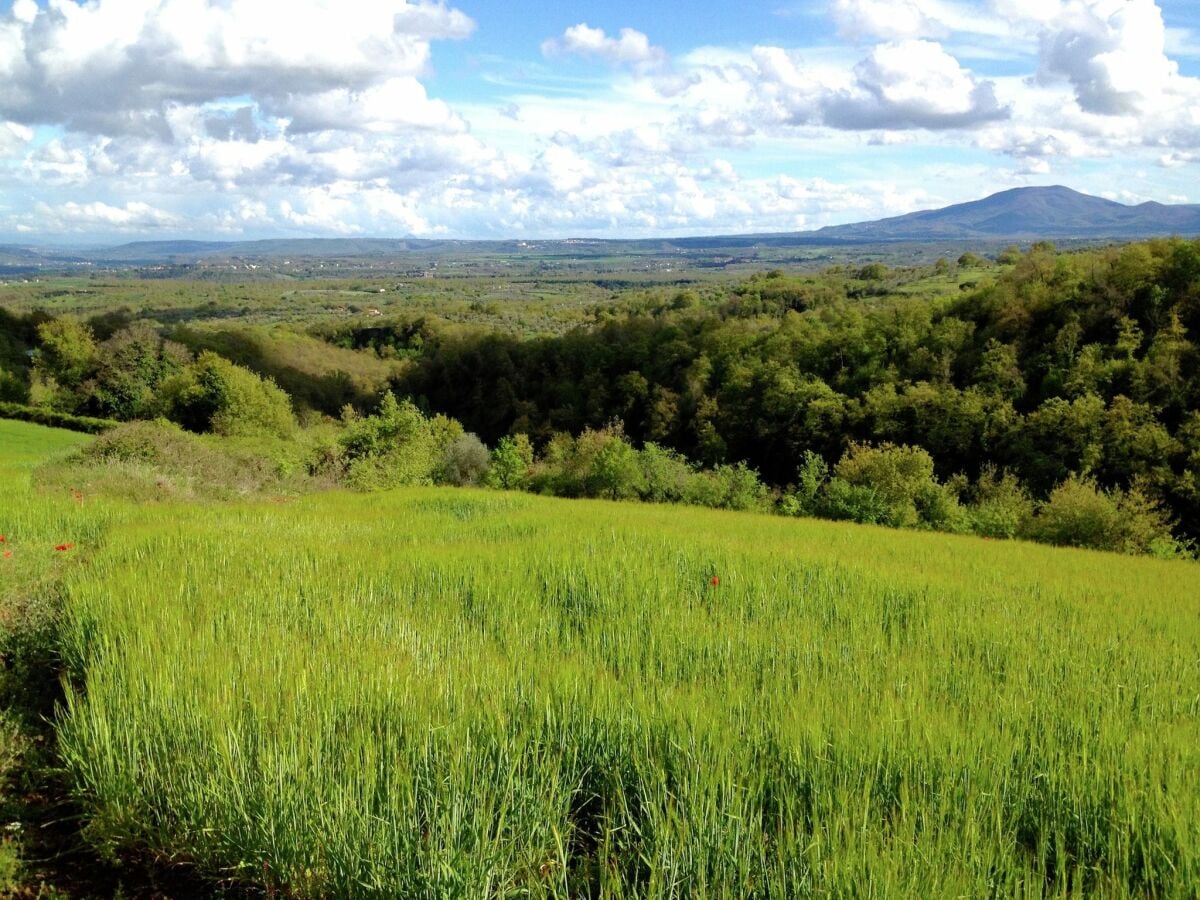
{"x":903,"y":479}
{"x":598,"y":463}
{"x":1002,"y":508}
{"x":665,"y":474}
{"x":511,"y":463}
{"x":464,"y":462}
{"x":13,"y":387}
{"x":1079,"y":514}
{"x":805,"y":498}
{"x":55,"y":419}
{"x":396,"y":446}
{"x":854,"y":502}
{"x":148,"y":461}
{"x":214,"y":395}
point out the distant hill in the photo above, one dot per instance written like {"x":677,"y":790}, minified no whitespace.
{"x":1021,"y":214}
{"x":1033,"y":212}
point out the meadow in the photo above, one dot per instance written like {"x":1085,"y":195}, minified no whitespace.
{"x":449,"y":692}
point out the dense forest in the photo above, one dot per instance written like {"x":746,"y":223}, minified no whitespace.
{"x":1081,"y":364}
{"x":1061,"y":378}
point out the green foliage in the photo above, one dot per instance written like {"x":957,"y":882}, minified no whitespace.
{"x":464,"y":462}
{"x":159,"y":461}
{"x":511,"y":463}
{"x":665,"y":475}
{"x":213,"y":394}
{"x":53,"y":419}
{"x":811,"y":478}
{"x":1058,"y":363}
{"x":1002,"y":508}
{"x":13,"y":387}
{"x":903,"y":481}
{"x":395,"y":446}
{"x":67,"y":351}
{"x":1079,"y":514}
{"x":129,"y":370}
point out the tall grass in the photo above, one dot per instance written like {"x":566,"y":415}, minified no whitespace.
{"x":454,"y":693}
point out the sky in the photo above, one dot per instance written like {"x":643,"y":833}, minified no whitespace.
{"x":246,"y":119}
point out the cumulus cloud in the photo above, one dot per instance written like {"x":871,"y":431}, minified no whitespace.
{"x":226,"y":117}
{"x":114,"y":65}
{"x":631,"y":47}
{"x":72,"y":217}
{"x":912,"y":84}
{"x":392,"y":105}
{"x":1112,"y":52}
{"x":883,"y":18}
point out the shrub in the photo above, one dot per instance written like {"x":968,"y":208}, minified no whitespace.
{"x":396,"y":446}
{"x":511,"y":463}
{"x":13,"y":387}
{"x":804,"y":499}
{"x":464,"y":461}
{"x":598,"y":463}
{"x":614,"y":471}
{"x":147,"y":461}
{"x":854,"y":502}
{"x":1079,"y":514}
{"x":665,"y":474}
{"x":903,"y":479}
{"x":1002,"y":508}
{"x":55,"y":419}
{"x":213,"y":394}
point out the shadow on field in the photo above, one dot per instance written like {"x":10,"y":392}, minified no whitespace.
{"x":40,"y":820}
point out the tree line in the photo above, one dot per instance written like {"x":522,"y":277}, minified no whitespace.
{"x":1070,"y":380}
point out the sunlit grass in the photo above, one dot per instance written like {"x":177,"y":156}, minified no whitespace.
{"x":438,"y":692}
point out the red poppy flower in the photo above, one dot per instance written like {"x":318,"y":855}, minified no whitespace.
{"x":61,"y":547}
{"x":8,"y":554}
{"x":3,"y":539}
{"x":714,"y":581}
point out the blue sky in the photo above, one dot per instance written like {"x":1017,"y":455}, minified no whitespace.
{"x":123,"y":119}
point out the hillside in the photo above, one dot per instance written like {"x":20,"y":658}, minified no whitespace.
{"x":1021,"y":214}
{"x":1029,"y":213}
{"x":590,"y":698}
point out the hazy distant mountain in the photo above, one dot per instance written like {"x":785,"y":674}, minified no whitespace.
{"x":1022,"y":214}
{"x":1033,"y":212}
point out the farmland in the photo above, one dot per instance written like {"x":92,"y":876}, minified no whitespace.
{"x":448,"y":692}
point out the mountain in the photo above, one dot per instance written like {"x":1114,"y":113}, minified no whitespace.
{"x":1027,"y":213}
{"x":1021,"y":214}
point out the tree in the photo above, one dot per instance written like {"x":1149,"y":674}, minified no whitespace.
{"x":395,"y":446}
{"x":615,"y":473}
{"x":902,"y":477}
{"x":510,"y":463}
{"x":464,"y":461}
{"x":213,"y":394}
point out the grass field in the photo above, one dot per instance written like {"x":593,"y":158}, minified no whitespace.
{"x":438,"y":692}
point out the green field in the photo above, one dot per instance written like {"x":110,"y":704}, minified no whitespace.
{"x":440,"y":692}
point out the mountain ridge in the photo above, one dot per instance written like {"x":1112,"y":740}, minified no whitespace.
{"x":1017,"y":214}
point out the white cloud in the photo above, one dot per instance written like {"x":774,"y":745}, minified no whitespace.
{"x":112,"y":65}
{"x":883,"y":18}
{"x":1112,"y":52}
{"x":226,"y":117}
{"x":72,"y":217}
{"x":393,"y":105}
{"x":912,"y":84}
{"x":630,"y":48}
